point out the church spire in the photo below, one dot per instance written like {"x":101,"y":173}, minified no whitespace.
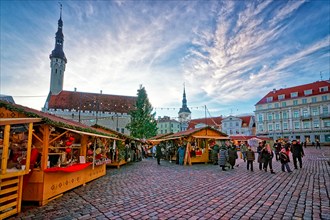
{"x":184,"y":107}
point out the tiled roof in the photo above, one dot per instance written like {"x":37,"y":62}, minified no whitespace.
{"x":92,"y":102}
{"x":246,"y":119}
{"x":300,"y":89}
{"x":48,"y":118}
{"x":213,"y":122}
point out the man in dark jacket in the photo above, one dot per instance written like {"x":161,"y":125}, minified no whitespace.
{"x":297,"y":153}
{"x":158,"y":153}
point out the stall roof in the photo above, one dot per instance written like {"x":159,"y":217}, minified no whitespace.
{"x":91,"y":134}
{"x":12,"y":121}
{"x":212,"y":137}
{"x":191,"y":132}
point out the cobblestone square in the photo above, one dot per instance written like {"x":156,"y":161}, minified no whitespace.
{"x":145,"y":190}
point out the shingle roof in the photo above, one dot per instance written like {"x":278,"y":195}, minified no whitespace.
{"x":92,"y":102}
{"x":213,"y":122}
{"x":300,"y":89}
{"x":49,"y":118}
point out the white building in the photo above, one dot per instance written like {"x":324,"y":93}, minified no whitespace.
{"x":167,"y":125}
{"x":300,"y":112}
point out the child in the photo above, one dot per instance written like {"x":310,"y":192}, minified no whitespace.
{"x":285,"y":159}
{"x":250,"y":158}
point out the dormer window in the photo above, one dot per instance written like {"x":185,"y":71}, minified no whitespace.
{"x":294,"y":94}
{"x":308,"y":92}
{"x":280,"y":97}
{"x":269,"y":99}
{"x":324,"y":89}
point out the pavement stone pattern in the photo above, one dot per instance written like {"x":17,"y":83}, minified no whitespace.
{"x":145,"y":190}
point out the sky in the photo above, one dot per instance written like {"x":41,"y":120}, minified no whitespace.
{"x":228,"y":54}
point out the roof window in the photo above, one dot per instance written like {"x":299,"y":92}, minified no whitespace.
{"x":294,"y":94}
{"x":280,"y":97}
{"x":324,"y":89}
{"x":308,"y":92}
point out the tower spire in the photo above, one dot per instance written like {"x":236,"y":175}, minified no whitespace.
{"x":58,"y":59}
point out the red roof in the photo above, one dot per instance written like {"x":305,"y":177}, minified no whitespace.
{"x":315,"y":87}
{"x":92,"y":102}
{"x":212,"y":122}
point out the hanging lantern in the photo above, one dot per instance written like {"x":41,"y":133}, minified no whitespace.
{"x":71,"y":139}
{"x":68,"y":143}
{"x":68,"y":150}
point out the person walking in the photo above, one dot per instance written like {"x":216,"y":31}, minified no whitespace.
{"x":232,"y":155}
{"x":259,"y":150}
{"x":215,"y":152}
{"x":181,"y":152}
{"x":158,"y":153}
{"x":267,"y":156}
{"x":250,"y":157}
{"x":318,"y":144}
{"x":285,"y":158}
{"x":243,"y":149}
{"x":223,"y":157}
{"x":278,"y":147}
{"x":297,"y":153}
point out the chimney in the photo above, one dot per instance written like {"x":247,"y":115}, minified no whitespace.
{"x":75,"y":89}
{"x":101,"y":91}
{"x":274,"y":90}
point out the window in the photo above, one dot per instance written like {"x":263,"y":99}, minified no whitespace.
{"x":308,"y":92}
{"x":277,"y":116}
{"x":270,"y":127}
{"x":269,"y":106}
{"x":283,"y":104}
{"x":296,"y":113}
{"x":324,"y":89}
{"x":294,"y":94}
{"x":269,"y":99}
{"x":260,"y":117}
{"x":281,"y":97}
{"x":276,"y":105}
{"x":260,"y":107}
{"x":236,"y":124}
{"x":285,"y":126}
{"x":285,"y":115}
{"x":230,"y":124}
{"x":123,"y":130}
{"x":315,"y":111}
{"x":316,"y":124}
{"x":295,"y":102}
{"x":296,"y":125}
{"x":224,"y":125}
{"x":277,"y":127}
{"x":324,"y":98}
{"x":270,"y":116}
{"x":314,"y":99}
{"x":304,"y":101}
{"x":305,"y":113}
{"x":261,"y":127}
{"x":325,"y":110}
{"x":327,"y":123}
{"x":306,"y":125}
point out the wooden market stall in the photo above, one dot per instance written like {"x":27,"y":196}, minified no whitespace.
{"x":14,"y":133}
{"x":70,"y":154}
{"x":197,"y":143}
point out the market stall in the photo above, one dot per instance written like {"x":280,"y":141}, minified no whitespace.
{"x":197,"y":143}
{"x":15,"y":137}
{"x":71,"y":154}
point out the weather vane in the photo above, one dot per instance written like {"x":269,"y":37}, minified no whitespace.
{"x":60,"y":8}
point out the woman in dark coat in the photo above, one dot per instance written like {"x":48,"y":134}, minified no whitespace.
{"x":223,"y":157}
{"x":232,"y":156}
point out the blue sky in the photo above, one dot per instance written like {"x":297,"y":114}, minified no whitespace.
{"x":229,"y":54}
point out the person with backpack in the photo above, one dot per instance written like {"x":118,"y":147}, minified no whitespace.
{"x":285,"y":159}
{"x":267,"y":157}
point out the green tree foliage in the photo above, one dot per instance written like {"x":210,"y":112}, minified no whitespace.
{"x":143,"y":123}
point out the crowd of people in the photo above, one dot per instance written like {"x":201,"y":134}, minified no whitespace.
{"x":226,"y":155}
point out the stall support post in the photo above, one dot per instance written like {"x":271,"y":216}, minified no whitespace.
{"x":44,"y":161}
{"x":5,"y":149}
{"x":83,"y":143}
{"x":29,"y":144}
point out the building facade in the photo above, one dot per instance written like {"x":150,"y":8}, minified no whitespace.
{"x":110,"y":111}
{"x":167,"y":125}
{"x":300,"y":112}
{"x":234,"y":125}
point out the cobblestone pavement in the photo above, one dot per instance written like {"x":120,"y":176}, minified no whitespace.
{"x":145,"y":190}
